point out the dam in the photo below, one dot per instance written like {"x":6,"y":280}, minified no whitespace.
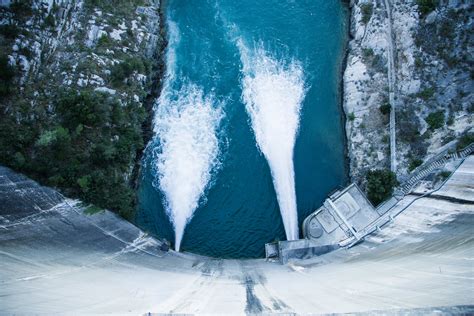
{"x":57,"y":258}
{"x":244,"y":147}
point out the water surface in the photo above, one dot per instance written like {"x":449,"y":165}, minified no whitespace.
{"x":208,"y":162}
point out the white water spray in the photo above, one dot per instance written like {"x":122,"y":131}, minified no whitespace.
{"x":273,"y":92}
{"x":186,"y":124}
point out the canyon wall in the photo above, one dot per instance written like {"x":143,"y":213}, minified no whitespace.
{"x":78,"y":78}
{"x":433,"y":82}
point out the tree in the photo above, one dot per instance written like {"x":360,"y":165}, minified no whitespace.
{"x":380,"y":184}
{"x":414,"y":163}
{"x":366,"y":9}
{"x":21,"y":8}
{"x":426,"y":6}
{"x":435,"y":120}
{"x":84,"y":150}
{"x":125,"y":69}
{"x":50,"y":21}
{"x":7,"y":73}
{"x":465,"y":140}
{"x":9,"y":31}
{"x":385,"y":108}
{"x":426,"y":94}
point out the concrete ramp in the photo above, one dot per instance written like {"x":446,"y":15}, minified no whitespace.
{"x":54,"y":258}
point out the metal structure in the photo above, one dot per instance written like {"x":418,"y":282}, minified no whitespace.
{"x":347,"y":216}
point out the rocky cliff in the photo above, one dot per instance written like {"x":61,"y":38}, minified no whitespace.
{"x":432,"y":82}
{"x":75,"y":79}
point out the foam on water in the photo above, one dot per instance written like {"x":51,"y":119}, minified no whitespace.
{"x":185,"y":126}
{"x":273,"y":91}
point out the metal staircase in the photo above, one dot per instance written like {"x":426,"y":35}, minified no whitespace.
{"x":434,"y":163}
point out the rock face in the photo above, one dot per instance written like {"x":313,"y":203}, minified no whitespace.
{"x":90,"y":61}
{"x":75,"y":43}
{"x":433,"y":82}
{"x":366,"y":89}
{"x":55,"y":258}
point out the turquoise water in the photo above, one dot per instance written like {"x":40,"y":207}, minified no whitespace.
{"x":251,"y":91}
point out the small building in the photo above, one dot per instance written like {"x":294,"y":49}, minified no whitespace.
{"x":342,"y":219}
{"x":343,"y":214}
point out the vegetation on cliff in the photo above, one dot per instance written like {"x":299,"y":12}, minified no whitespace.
{"x":426,"y":6}
{"x":380,"y":184}
{"x":84,"y":149}
{"x":432,"y":76}
{"x":73,"y":80}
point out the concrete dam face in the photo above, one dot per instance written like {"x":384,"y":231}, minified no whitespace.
{"x":55,"y":258}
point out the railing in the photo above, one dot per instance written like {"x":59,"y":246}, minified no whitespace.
{"x":431,"y":164}
{"x":393,"y":212}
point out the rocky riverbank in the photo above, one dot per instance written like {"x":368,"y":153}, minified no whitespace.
{"x":433,"y":82}
{"x":78,"y":81}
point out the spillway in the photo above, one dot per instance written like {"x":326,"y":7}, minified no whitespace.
{"x":54,"y":258}
{"x":273,"y":92}
{"x":185,"y":149}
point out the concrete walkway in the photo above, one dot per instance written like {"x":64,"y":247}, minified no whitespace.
{"x":391,"y":88}
{"x":55,"y":259}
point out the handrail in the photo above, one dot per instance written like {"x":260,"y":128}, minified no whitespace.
{"x":388,"y":216}
{"x":433,"y":160}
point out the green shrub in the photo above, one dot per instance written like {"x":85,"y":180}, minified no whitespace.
{"x":426,"y":6}
{"x":378,"y":63}
{"x":49,"y":21}
{"x":56,"y":180}
{"x":55,"y":7}
{"x":419,"y":62}
{"x":367,"y":10}
{"x":465,"y":140}
{"x":446,"y":29}
{"x":426,"y":94}
{"x":408,"y":127}
{"x":84,"y":151}
{"x":380,"y":184}
{"x":443,"y":175}
{"x":7,"y":73}
{"x":18,"y":160}
{"x":414,"y":163}
{"x":84,"y":182}
{"x":450,"y":120}
{"x":435,"y":120}
{"x":9,"y":31}
{"x":92,"y":3}
{"x":25,"y":51}
{"x":47,"y":138}
{"x":21,"y":8}
{"x":92,"y":209}
{"x":385,"y":108}
{"x":104,"y":41}
{"x":351,"y":116}
{"x":367,"y":53}
{"x":125,"y":69}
